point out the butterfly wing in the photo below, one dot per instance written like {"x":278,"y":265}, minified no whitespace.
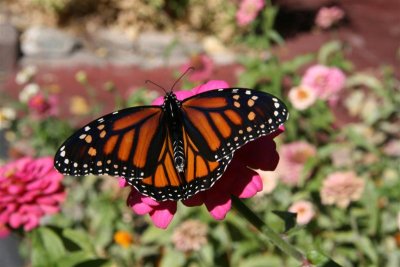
{"x":167,"y":184}
{"x":221,"y":121}
{"x":123,"y":143}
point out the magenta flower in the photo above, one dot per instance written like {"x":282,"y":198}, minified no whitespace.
{"x":248,"y":11}
{"x":29,"y":189}
{"x":259,"y":154}
{"x":43,"y":106}
{"x":325,"y":81}
{"x":293,"y":157}
{"x":328,"y":16}
{"x":203,"y":67}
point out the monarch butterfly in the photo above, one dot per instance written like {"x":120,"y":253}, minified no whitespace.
{"x":172,"y":151}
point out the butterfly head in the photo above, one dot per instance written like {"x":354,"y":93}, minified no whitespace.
{"x":171,"y":101}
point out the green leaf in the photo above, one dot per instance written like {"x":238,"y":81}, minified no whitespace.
{"x":47,"y":247}
{"x":261,"y":261}
{"x":73,"y":258}
{"x":207,"y":254}
{"x":80,"y":238}
{"x":155,"y":235}
{"x":320,"y":260}
{"x":94,"y":263}
{"x":288,"y":217}
{"x":172,"y":258}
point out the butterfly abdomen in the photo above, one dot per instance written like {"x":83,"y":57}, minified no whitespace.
{"x":173,"y":115}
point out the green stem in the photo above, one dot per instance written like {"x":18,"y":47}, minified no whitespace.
{"x":273,"y":237}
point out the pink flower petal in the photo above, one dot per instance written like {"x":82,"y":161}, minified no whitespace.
{"x":218,"y":210}
{"x":162,"y":217}
{"x":252,"y":188}
{"x":211,"y":85}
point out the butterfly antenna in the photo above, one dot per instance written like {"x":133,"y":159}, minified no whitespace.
{"x":159,"y":86}
{"x":189,"y":69}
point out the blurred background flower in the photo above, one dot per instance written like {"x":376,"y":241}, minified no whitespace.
{"x":191,"y":235}
{"x":248,"y":11}
{"x":29,"y":189}
{"x":293,"y":158}
{"x":329,"y":16}
{"x":341,"y":188}
{"x":327,"y":82}
{"x":302,"y":97}
{"x":304,"y":211}
{"x":203,"y":68}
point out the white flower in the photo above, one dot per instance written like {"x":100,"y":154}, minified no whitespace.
{"x":25,"y":74}
{"x":29,"y":90}
{"x":7,"y":115}
{"x":302,"y":97}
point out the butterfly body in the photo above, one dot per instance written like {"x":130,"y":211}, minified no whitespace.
{"x":173,"y":118}
{"x":172,"y":151}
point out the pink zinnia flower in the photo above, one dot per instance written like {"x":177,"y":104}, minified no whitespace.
{"x":325,"y":81}
{"x":341,"y":188}
{"x":293,"y":157}
{"x":302,"y":97}
{"x":43,"y":106}
{"x":248,"y":11}
{"x":203,"y":67}
{"x":328,"y":16}
{"x":304,"y":210}
{"x":259,"y":154}
{"x":29,"y":189}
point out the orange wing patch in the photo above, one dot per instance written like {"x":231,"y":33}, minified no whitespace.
{"x":126,"y":145}
{"x":144,"y":140}
{"x":131,"y":120}
{"x":202,"y":124}
{"x":222,"y":125}
{"x":197,"y":167}
{"x":233,"y":116}
{"x":215,"y":102}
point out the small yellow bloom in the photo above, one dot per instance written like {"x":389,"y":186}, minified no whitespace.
{"x":78,"y":106}
{"x":123,"y":238}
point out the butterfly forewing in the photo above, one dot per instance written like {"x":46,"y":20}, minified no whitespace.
{"x":223,"y":120}
{"x":122,"y":143}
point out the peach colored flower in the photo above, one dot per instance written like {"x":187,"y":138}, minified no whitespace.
{"x":217,"y":199}
{"x":269,"y":181}
{"x":29,"y":189}
{"x":248,"y":11}
{"x":325,"y":81}
{"x":328,"y":16}
{"x":302,"y":97}
{"x":191,"y":235}
{"x":304,"y":210}
{"x":341,"y":188}
{"x":293,"y":156}
{"x":203,"y":67}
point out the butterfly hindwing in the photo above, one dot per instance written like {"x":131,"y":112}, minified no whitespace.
{"x":165,"y":183}
{"x":117,"y":144}
{"x":221,"y":121}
